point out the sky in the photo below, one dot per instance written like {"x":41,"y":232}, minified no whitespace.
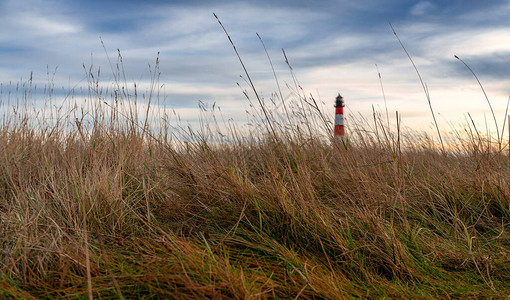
{"x":332,"y":46}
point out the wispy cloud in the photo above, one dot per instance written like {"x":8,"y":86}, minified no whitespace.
{"x":421,"y":8}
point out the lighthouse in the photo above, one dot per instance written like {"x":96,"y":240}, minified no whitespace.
{"x":339,"y":116}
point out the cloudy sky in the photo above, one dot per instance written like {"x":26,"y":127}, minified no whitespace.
{"x":333,"y":47}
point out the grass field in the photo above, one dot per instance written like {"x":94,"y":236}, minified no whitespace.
{"x":108,"y":205}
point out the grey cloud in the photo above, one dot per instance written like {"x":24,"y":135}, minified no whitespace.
{"x":493,"y":66}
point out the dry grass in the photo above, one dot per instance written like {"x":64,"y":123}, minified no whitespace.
{"x":104,"y":206}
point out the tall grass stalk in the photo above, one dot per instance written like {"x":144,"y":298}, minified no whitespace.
{"x":423,"y":86}
{"x":262,"y":106}
{"x":487,"y":98}
{"x":282,"y":99}
{"x":384,"y":96}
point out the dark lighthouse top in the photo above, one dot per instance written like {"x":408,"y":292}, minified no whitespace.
{"x":339,"y":101}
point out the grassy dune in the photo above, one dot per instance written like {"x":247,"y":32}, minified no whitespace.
{"x":115,"y":201}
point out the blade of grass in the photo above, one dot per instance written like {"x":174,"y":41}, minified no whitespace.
{"x":424,"y":88}
{"x":486,"y":97}
{"x":252,"y":85}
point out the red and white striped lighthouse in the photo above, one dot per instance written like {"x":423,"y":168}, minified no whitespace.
{"x":339,"y":117}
